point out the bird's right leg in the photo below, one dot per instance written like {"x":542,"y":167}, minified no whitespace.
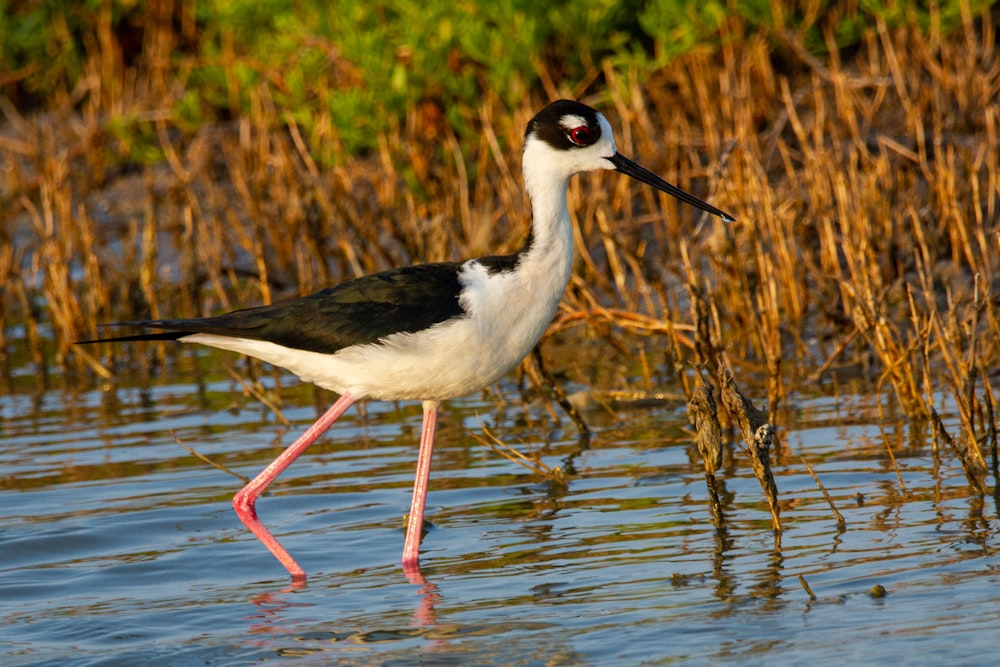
{"x":415,"y":526}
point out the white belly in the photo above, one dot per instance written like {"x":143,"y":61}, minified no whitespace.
{"x":504,"y":321}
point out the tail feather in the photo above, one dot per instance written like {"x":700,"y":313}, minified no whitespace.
{"x":154,"y":335}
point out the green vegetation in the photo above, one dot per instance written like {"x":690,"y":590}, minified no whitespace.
{"x":356,"y":67}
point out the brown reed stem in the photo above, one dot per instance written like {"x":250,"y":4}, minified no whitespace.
{"x":252,"y":389}
{"x":708,"y":435}
{"x":545,"y":380}
{"x":806,"y":587}
{"x":841,"y":524}
{"x":758,"y":435}
{"x":531,"y":461}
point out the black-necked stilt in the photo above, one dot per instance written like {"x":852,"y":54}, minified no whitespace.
{"x":428,"y":332}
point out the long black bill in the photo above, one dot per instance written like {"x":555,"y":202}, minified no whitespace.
{"x":626,"y":166}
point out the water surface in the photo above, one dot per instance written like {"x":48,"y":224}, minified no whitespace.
{"x":120,"y":547}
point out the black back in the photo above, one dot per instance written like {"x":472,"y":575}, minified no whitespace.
{"x":357,"y":312}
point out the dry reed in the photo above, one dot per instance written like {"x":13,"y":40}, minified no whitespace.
{"x":867,"y":188}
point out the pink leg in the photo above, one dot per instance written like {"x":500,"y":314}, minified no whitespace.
{"x":411,"y":547}
{"x":243,"y":502}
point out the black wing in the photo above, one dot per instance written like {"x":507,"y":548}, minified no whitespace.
{"x":360,"y":311}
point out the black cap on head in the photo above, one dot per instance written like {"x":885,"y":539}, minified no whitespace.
{"x":547,"y":124}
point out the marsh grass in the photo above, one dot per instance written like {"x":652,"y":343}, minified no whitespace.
{"x":866,"y":185}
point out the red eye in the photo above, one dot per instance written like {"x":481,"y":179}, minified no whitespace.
{"x":581,"y":136}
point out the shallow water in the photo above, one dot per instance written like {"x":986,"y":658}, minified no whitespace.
{"x":120,"y":547}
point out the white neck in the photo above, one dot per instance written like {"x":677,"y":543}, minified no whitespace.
{"x":551,"y":244}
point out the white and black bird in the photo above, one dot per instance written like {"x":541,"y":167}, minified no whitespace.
{"x":428,"y":332}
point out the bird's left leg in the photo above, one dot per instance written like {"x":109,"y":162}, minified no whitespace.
{"x":243,"y":501}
